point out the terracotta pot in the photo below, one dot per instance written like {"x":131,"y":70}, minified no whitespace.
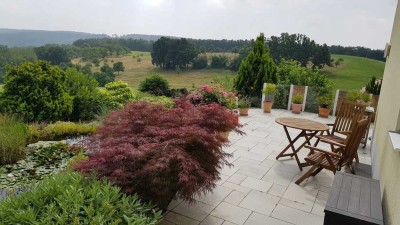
{"x":244,"y":111}
{"x":267,"y":106}
{"x":296,"y":108}
{"x":224,"y":134}
{"x":324,"y":112}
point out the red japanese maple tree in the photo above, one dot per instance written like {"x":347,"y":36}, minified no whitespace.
{"x":158,"y":152}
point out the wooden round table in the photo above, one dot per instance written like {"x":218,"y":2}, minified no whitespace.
{"x":309,"y":129}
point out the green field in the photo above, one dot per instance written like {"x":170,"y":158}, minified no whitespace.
{"x":135,"y":71}
{"x":354,"y":72}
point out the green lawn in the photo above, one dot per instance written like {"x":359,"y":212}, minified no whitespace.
{"x":354,"y":72}
{"x":135,"y":71}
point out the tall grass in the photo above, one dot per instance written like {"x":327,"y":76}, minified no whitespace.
{"x":13,"y":138}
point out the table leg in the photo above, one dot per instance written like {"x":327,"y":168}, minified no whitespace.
{"x":304,"y":134}
{"x":289,"y":145}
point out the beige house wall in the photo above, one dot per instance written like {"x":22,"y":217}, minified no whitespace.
{"x":386,"y":162}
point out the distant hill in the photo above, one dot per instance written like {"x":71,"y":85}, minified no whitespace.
{"x":355,"y":72}
{"x":21,"y":38}
{"x":147,"y":37}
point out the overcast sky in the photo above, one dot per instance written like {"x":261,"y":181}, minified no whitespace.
{"x":345,"y":22}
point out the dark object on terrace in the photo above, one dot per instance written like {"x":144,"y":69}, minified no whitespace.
{"x":353,"y":200}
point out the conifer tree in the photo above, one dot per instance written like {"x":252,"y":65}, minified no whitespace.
{"x":257,"y":68}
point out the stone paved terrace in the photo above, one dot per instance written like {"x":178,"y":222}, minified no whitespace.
{"x":259,"y":189}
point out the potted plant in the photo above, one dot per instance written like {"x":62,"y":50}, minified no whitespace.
{"x":297,"y":103}
{"x":269,"y":92}
{"x":325,"y":101}
{"x":374,"y":88}
{"x":244,"y":106}
{"x":358,"y":96}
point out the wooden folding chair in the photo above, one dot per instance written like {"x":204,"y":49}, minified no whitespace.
{"x":349,"y":113}
{"x":321,"y":159}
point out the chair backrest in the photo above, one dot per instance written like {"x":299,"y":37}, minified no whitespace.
{"x":353,"y":142}
{"x":349,"y":113}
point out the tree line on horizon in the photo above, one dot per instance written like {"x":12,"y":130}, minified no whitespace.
{"x":289,"y":46}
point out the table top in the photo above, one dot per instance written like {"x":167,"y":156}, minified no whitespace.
{"x":302,"y":124}
{"x":357,"y":197}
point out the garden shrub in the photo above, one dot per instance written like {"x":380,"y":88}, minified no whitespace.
{"x":165,"y":101}
{"x":38,"y":163}
{"x":158,"y":152}
{"x":88,"y":102}
{"x":200,"y":62}
{"x":13,"y":138}
{"x":212,"y":94}
{"x":156,"y":85}
{"x":103,"y":78}
{"x":118,"y":94}
{"x":59,"y":131}
{"x":219,"y":61}
{"x":69,"y":198}
{"x":36,"y":92}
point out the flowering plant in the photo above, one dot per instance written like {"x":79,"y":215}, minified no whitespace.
{"x":213,"y":94}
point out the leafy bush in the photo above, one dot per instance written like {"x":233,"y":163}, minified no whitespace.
{"x":212,"y":94}
{"x":103,"y":78}
{"x":281,"y":97}
{"x":59,"y":131}
{"x":200,"y":62}
{"x":118,"y":94}
{"x":13,"y":138}
{"x":291,"y":72}
{"x":162,"y":100}
{"x":69,"y":198}
{"x":358,"y":96}
{"x":37,"y":164}
{"x":297,"y":99}
{"x":219,"y":61}
{"x":36,"y":92}
{"x":156,"y":85}
{"x":88,"y":101}
{"x":158,"y":152}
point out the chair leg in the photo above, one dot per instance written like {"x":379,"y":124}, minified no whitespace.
{"x":310,"y":171}
{"x":316,"y":172}
{"x":356,"y":157}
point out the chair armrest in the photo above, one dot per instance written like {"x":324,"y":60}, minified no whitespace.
{"x":329,"y":141}
{"x":345,"y":132}
{"x":323,"y":151}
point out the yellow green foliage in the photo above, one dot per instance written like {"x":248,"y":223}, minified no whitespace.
{"x":60,"y":130}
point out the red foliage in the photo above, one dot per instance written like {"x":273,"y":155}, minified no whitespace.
{"x":156,"y":151}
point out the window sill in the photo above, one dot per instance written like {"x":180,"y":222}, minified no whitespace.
{"x":395,"y":139}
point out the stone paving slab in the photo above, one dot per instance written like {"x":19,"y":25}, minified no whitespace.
{"x":258,"y":189}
